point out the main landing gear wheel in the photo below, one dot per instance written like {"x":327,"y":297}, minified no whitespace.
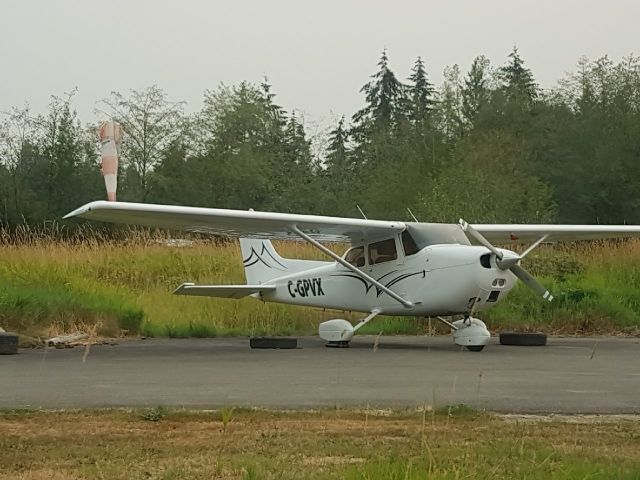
{"x":475,"y":348}
{"x":337,"y":333}
{"x":341,"y":344}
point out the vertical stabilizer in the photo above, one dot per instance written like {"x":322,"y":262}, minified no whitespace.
{"x":262,"y":263}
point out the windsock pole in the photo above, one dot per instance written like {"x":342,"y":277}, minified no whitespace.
{"x":110,"y":134}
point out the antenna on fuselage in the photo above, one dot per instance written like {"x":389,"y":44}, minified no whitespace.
{"x":361,"y":212}
{"x":412,"y":215}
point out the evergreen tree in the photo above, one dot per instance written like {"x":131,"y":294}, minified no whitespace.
{"x":19,"y":140}
{"x":420,"y":94}
{"x":298,"y":147}
{"x":385,"y":102}
{"x":450,"y":119}
{"x":518,"y":82}
{"x":338,"y":173}
{"x":62,"y":151}
{"x":276,"y":112}
{"x":475,"y":91}
{"x":337,"y":162}
{"x":297,"y":173}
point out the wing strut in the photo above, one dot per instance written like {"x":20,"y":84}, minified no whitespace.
{"x":357,"y":271}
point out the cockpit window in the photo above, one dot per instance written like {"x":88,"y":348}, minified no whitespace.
{"x":355,"y":256}
{"x":409,"y":244}
{"x":384,"y":251}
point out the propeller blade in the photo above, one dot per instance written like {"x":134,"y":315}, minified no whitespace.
{"x":478,"y":236}
{"x":530,"y":281}
{"x":534,"y":245}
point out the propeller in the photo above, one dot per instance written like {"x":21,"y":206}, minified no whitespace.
{"x":511,"y":263}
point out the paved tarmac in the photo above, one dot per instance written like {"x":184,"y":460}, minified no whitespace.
{"x":569,"y":375}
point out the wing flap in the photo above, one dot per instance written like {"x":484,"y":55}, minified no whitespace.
{"x":237,"y":223}
{"x":222,"y":291}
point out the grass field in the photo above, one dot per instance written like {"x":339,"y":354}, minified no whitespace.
{"x":453,"y":443}
{"x":48,"y":286}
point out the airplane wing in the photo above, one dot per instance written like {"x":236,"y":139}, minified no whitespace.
{"x":271,"y":225}
{"x":223,"y":291}
{"x":506,"y":233}
{"x":237,"y":223}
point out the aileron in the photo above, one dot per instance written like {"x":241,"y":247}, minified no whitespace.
{"x":507,"y":233}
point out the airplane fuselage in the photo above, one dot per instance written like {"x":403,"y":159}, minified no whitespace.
{"x":439,"y":280}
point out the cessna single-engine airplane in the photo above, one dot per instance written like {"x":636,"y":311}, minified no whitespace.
{"x":392,"y":268}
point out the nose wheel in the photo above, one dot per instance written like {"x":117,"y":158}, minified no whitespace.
{"x":469,"y":332}
{"x":467,"y":322}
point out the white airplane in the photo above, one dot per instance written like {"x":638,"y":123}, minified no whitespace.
{"x":392,"y":268}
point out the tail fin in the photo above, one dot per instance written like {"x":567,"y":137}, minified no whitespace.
{"x":262,"y":263}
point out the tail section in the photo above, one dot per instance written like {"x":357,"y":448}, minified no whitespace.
{"x":262,"y":263}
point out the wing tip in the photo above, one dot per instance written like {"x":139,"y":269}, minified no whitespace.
{"x":182,"y":287}
{"x":76,"y":213}
{"x":86,"y":208}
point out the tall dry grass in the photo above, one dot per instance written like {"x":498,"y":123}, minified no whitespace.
{"x":52,"y":276}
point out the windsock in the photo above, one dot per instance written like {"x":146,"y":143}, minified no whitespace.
{"x":110,"y":134}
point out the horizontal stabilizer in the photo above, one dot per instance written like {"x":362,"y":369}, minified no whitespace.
{"x":223,"y":291}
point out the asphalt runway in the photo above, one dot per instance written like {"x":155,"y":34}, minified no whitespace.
{"x":569,"y":375}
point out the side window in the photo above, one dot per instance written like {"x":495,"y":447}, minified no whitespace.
{"x":384,"y":251}
{"x":409,"y":244}
{"x":355,"y":256}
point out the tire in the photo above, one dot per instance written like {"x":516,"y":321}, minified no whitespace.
{"x":8,"y":343}
{"x":475,"y":348}
{"x":273,"y":342}
{"x":523,"y":339}
{"x":341,"y":344}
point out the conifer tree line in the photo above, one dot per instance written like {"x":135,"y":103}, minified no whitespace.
{"x":489,"y":145}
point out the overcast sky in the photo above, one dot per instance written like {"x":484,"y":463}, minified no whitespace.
{"x":316,"y":54}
